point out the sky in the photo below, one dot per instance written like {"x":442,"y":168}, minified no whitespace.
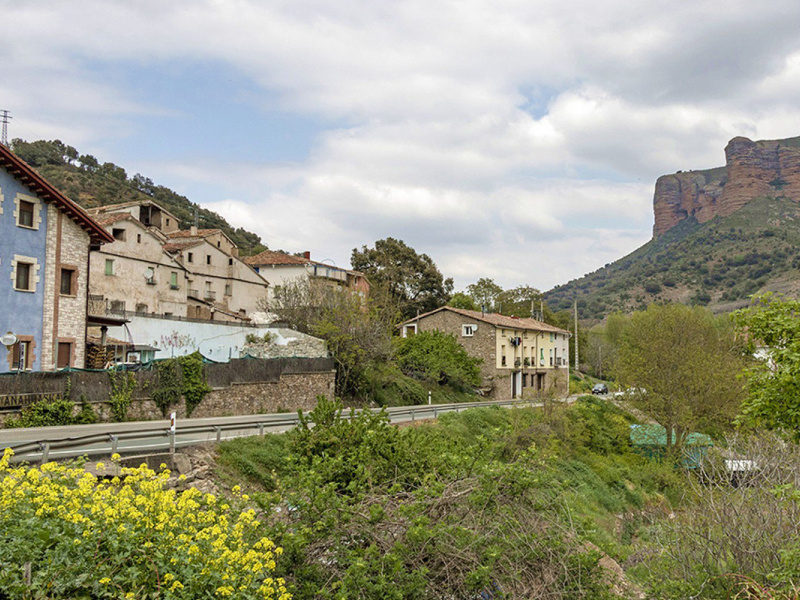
{"x":510,"y":139}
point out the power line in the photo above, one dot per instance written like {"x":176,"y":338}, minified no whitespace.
{"x":4,"y":119}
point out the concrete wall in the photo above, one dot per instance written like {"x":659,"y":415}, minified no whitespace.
{"x":139,"y":251}
{"x":219,"y":341}
{"x":21,"y":312}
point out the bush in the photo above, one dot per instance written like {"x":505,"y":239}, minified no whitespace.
{"x":130,"y":537}
{"x":438,"y":357}
{"x":47,"y":413}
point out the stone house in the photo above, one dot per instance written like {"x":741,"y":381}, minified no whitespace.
{"x":45,"y":240}
{"x":282,"y":268}
{"x":153,"y":267}
{"x":521,"y":357}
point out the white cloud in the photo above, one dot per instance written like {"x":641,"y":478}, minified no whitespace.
{"x":518,"y":140}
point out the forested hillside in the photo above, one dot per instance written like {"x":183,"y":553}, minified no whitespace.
{"x":720,"y":263}
{"x":90,"y":182}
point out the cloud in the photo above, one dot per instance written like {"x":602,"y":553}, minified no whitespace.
{"x":516,"y":140}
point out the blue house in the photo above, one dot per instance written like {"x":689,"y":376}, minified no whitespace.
{"x":45,"y":240}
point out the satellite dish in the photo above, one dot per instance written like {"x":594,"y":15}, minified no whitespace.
{"x":149,"y":272}
{"x":8,"y":339}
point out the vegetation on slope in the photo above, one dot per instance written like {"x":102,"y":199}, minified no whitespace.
{"x":90,"y":183}
{"x":720,"y":264}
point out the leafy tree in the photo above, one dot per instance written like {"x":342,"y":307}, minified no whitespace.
{"x":773,"y":383}
{"x":683,"y":366}
{"x":357,"y":334}
{"x":484,"y":293}
{"x":439,"y":358}
{"x":521,"y":301}
{"x":462,"y":301}
{"x":412,"y":280}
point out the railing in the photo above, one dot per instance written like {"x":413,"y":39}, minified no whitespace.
{"x":193,"y":293}
{"x":209,"y":295}
{"x":106,"y":443}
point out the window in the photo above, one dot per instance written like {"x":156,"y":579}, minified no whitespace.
{"x":173,"y":280}
{"x":141,"y":309}
{"x":218,"y":245}
{"x":138,"y":238}
{"x":119,"y":234}
{"x":118,"y":306}
{"x":64,"y":356}
{"x":408,"y":330}
{"x":25,"y":214}
{"x":208,"y":259}
{"x":468,"y":330}
{"x":167,"y":221}
{"x":551,"y":357}
{"x":230,"y":262}
{"x":23,"y":279}
{"x":191,"y":257}
{"x":69,"y":281}
{"x":22,"y":356}
{"x":228,"y":289}
{"x":551,"y":337}
{"x":109,"y":266}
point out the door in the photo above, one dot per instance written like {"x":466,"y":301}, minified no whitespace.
{"x":64,"y":358}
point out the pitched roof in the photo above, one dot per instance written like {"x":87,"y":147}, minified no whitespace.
{"x":116,"y":207}
{"x":200,"y":233}
{"x":498,"y":320}
{"x":111,"y":218}
{"x":181,"y":245}
{"x":23,"y":172}
{"x":270,"y":257}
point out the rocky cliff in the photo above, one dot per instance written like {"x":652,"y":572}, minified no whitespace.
{"x":752,"y":169}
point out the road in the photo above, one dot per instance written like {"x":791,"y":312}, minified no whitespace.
{"x":143,"y":437}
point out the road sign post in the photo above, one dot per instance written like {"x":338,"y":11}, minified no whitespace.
{"x":172,"y":424}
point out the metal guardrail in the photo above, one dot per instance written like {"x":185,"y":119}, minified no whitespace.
{"x":104,"y":444}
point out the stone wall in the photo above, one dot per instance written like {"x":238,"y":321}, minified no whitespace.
{"x":483,"y":344}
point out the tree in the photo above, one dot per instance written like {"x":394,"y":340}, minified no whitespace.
{"x":412,"y":280}
{"x":773,"y":383}
{"x":356,"y":334}
{"x":439,"y":358}
{"x":521,"y":301}
{"x":683,"y":365}
{"x":461,"y":300}
{"x":485,"y":292}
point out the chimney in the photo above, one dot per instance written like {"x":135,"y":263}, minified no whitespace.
{"x":193,"y":229}
{"x":307,"y":254}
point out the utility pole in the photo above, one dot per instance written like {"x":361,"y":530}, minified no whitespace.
{"x":575,"y":306}
{"x":4,"y":119}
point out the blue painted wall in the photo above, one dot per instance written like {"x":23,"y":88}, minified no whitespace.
{"x":21,"y":313}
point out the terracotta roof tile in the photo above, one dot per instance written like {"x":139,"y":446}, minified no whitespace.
{"x":110,"y":218}
{"x":270,"y":257}
{"x":187,"y":233}
{"x":180,"y":245}
{"x":499,"y":320}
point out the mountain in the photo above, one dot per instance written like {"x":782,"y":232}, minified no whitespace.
{"x":720,"y":235}
{"x":91,"y":183}
{"x":769,"y":168}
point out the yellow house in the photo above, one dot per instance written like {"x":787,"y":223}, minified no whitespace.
{"x":520,"y":356}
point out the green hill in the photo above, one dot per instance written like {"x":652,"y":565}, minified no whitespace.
{"x":90,"y":183}
{"x":720,"y":264}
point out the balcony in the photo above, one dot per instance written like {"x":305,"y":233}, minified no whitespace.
{"x":150,"y":280}
{"x":193,"y":293}
{"x":209,"y":295}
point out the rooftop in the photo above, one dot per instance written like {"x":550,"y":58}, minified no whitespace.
{"x":498,"y":320}
{"x":271,"y":257}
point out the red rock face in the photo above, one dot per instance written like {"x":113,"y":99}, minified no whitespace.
{"x":753,"y":169}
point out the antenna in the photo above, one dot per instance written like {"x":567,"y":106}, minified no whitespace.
{"x":4,"y":119}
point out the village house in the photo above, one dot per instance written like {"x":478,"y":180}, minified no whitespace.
{"x":282,"y":268}
{"x":521,"y":357}
{"x":155,"y":268}
{"x":45,"y":240}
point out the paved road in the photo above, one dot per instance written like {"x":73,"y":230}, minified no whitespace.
{"x":142,"y":437}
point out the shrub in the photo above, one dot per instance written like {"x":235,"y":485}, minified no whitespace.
{"x":194,"y":385}
{"x":128,"y":537}
{"x":439,"y":358}
{"x":167,"y":389}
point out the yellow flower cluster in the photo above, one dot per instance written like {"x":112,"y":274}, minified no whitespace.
{"x":131,"y":534}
